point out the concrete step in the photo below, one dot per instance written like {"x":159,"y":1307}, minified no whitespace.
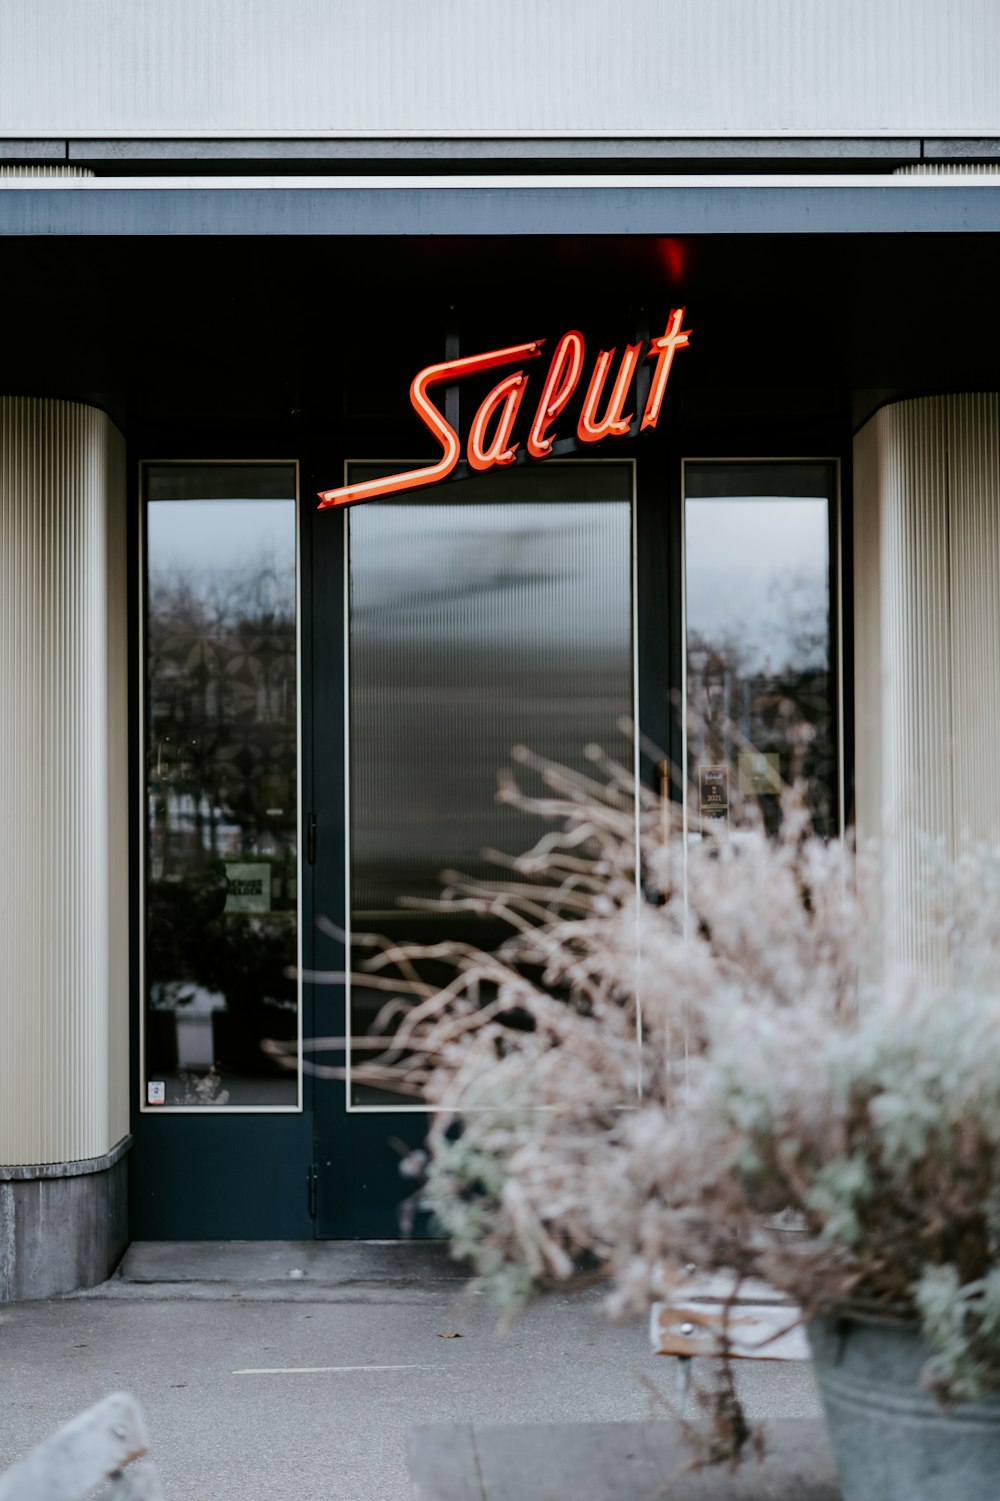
{"x":320,"y":1263}
{"x":611,"y":1462}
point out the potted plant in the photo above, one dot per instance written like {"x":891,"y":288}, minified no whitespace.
{"x":718,"y":1060}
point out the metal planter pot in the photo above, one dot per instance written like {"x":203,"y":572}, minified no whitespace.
{"x":891,"y":1439}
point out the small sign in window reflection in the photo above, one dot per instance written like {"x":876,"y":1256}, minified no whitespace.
{"x":248,"y":888}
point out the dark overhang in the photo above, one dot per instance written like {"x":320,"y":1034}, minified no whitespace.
{"x":575,"y":153}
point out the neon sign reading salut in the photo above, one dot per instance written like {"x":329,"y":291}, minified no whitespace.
{"x":489,"y":443}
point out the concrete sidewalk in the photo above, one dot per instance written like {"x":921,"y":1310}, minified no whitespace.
{"x":292,"y":1371}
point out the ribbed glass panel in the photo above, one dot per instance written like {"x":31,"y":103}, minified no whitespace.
{"x":495,"y":614}
{"x":63,"y":740}
{"x":927,"y":508}
{"x":873,"y":67}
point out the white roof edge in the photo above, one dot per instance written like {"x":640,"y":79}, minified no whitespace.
{"x":634,"y":182}
{"x":404,"y":133}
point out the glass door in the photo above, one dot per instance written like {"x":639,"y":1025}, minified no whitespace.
{"x":496,"y":612}
{"x":501,"y":611}
{"x":222,"y":1128}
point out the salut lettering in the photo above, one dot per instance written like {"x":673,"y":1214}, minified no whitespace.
{"x":490,"y":441}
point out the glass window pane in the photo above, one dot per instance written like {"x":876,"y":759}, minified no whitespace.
{"x":221,"y":787}
{"x":494,"y":614}
{"x":760,"y":685}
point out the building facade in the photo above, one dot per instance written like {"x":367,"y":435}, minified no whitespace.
{"x":692,"y":321}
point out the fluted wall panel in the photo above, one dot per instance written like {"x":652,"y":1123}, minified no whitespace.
{"x":927,"y":642}
{"x":974,"y":538}
{"x":63,"y":749}
{"x":150,"y":67}
{"x":867,"y":632}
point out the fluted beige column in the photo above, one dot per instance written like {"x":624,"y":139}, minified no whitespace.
{"x":927,"y":642}
{"x":63,"y":783}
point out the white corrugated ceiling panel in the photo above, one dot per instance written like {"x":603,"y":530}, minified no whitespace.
{"x":649,"y":67}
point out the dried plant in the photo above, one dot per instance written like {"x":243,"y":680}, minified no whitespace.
{"x":700,"y":1061}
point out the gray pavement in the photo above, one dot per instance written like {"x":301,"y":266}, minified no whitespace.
{"x":291,"y":1372}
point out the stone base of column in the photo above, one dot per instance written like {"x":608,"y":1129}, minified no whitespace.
{"x":63,"y":1226}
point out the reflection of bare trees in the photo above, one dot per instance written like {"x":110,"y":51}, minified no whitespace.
{"x":801,"y":600}
{"x":221,"y":787}
{"x":222,"y":699}
{"x":768,"y":685}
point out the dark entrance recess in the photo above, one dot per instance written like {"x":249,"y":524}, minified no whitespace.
{"x":303,"y":350}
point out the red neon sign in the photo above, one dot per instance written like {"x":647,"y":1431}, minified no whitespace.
{"x":499,"y":410}
{"x":560,"y":383}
